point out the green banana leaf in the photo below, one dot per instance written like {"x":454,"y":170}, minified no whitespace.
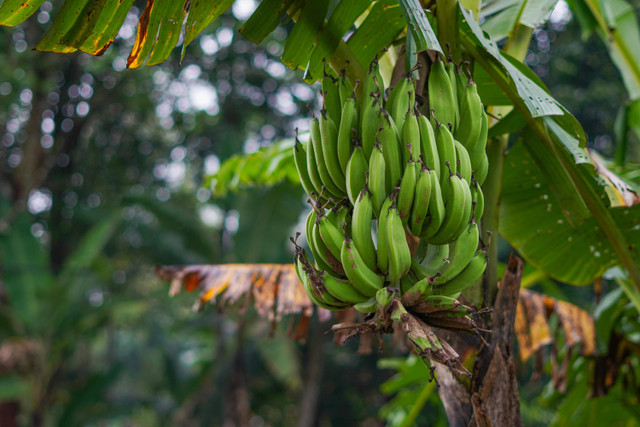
{"x":575,"y":255}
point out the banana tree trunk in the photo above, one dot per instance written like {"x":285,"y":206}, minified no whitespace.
{"x":491,"y":398}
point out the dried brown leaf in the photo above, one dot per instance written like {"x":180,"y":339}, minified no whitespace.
{"x":275,"y":288}
{"x":532,"y":323}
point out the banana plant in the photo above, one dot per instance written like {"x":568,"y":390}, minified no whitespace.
{"x":544,"y":195}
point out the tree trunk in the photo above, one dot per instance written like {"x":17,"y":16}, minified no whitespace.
{"x":491,"y":398}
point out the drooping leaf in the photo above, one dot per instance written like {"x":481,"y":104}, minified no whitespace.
{"x":532,"y":324}
{"x":14,"y":12}
{"x":575,"y":255}
{"x":417,"y":23}
{"x":201,"y":13}
{"x":275,"y":288}
{"x":159,"y":26}
{"x":89,"y":26}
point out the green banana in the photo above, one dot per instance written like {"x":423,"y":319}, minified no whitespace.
{"x":428,"y":146}
{"x":481,"y":171}
{"x":421,"y":200}
{"x":331,"y":235}
{"x":446,"y":153}
{"x":329,"y":135}
{"x":464,"y":162}
{"x":407,"y":191}
{"x":420,"y":290}
{"x":437,"y":259}
{"x":471,"y":273}
{"x":457,"y":209}
{"x":348,"y":124}
{"x":369,"y":121}
{"x":462,"y":250}
{"x":382,"y":250}
{"x":356,"y":173}
{"x":377,"y":178}
{"x":361,"y":228}
{"x":318,"y":256}
{"x":440,"y":303}
{"x":441,"y":94}
{"x":411,"y":140}
{"x":314,"y":293}
{"x":342,"y":290}
{"x":373,"y":82}
{"x":367,"y":307}
{"x":399,"y":254}
{"x":323,"y":172}
{"x":312,"y":168}
{"x":323,"y":255}
{"x":300,"y":159}
{"x":478,"y":156}
{"x":345,"y":88}
{"x":451,"y":72}
{"x":363,"y":279}
{"x":471,"y":109}
{"x":478,"y":197}
{"x":340,"y":215}
{"x":388,"y":137}
{"x":331,"y":97}
{"x":437,"y":211}
{"x":400,"y":99}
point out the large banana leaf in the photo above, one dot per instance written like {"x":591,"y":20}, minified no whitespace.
{"x":575,"y":255}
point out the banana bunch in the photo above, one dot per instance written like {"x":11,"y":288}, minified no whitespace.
{"x":382,"y":174}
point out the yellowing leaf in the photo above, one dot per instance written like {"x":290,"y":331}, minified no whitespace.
{"x":532,"y":327}
{"x":274,"y":288}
